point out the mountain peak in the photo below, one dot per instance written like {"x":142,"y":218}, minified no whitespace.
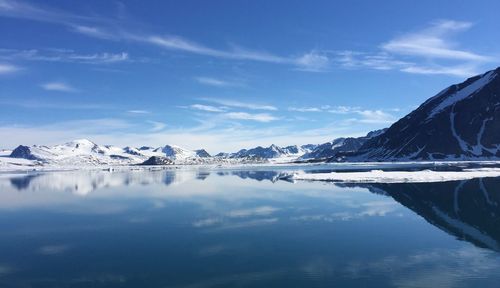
{"x":81,"y":142}
{"x":460,"y":122}
{"x":458,"y":92}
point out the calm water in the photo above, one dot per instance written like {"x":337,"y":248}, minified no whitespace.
{"x":223,"y":228}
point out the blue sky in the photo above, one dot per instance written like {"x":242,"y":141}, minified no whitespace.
{"x":225,"y":75}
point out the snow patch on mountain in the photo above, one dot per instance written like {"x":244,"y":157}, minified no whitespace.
{"x":463,"y":93}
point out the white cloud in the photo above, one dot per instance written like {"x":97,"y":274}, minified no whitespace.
{"x":305,"y":109}
{"x":239,"y":104}
{"x":327,"y":108}
{"x":58,"y":86}
{"x":100,"y":57}
{"x":375,"y":117}
{"x":378,"y":61}
{"x":260,"y":117}
{"x":367,"y":116}
{"x":138,"y":111}
{"x":460,"y":71}
{"x":103,"y":28}
{"x":35,"y":104}
{"x":92,"y":31}
{"x":429,"y":51}
{"x":207,"y":108}
{"x":63,"y":55}
{"x":313,"y":62}
{"x":433,"y":43}
{"x":343,"y":109}
{"x":216,"y":82}
{"x":8,"y":69}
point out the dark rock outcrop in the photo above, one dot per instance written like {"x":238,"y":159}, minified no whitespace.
{"x":157,"y":160}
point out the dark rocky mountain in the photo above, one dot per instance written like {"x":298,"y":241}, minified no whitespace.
{"x":23,"y":152}
{"x":202,"y":153}
{"x":331,"y":149}
{"x":158,"y":160}
{"x":461,"y":122}
{"x":468,"y":210}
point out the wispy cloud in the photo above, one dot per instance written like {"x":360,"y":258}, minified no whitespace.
{"x":327,"y":108}
{"x":58,"y":86}
{"x":107,"y":29}
{"x":100,"y":57}
{"x":138,"y":112}
{"x":305,"y":109}
{"x":459,"y":71}
{"x":216,"y":82}
{"x":63,"y":55}
{"x":36,"y":104}
{"x":344,"y":109}
{"x":373,"y":117}
{"x":259,"y":117}
{"x":239,"y":104}
{"x":359,"y":115}
{"x":8,"y":69}
{"x":428,"y":51}
{"x":93,"y":32}
{"x":207,"y":108}
{"x":313,"y":61}
{"x":378,"y":61}
{"x":432,"y":42}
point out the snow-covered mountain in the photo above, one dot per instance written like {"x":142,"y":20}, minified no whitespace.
{"x":271,"y":152}
{"x":177,"y":153}
{"x":331,"y":149}
{"x":86,"y":152}
{"x":461,"y":122}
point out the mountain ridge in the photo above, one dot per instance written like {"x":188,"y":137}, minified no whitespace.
{"x":459,"y":123}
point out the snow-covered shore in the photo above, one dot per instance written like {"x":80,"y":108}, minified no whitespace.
{"x":356,"y":172}
{"x":379,"y":176}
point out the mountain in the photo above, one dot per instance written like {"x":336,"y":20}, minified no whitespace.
{"x":272,"y":152}
{"x":462,"y":122}
{"x":177,"y":153}
{"x":202,"y":153}
{"x":331,"y":149}
{"x":76,"y":152}
{"x":86,"y":152}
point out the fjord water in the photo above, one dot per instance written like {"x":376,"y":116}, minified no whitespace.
{"x":244,"y":228}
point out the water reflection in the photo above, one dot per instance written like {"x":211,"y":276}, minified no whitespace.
{"x":223,"y":228}
{"x":468,"y":210}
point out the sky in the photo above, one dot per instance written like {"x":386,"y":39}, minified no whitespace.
{"x":226,"y":75}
